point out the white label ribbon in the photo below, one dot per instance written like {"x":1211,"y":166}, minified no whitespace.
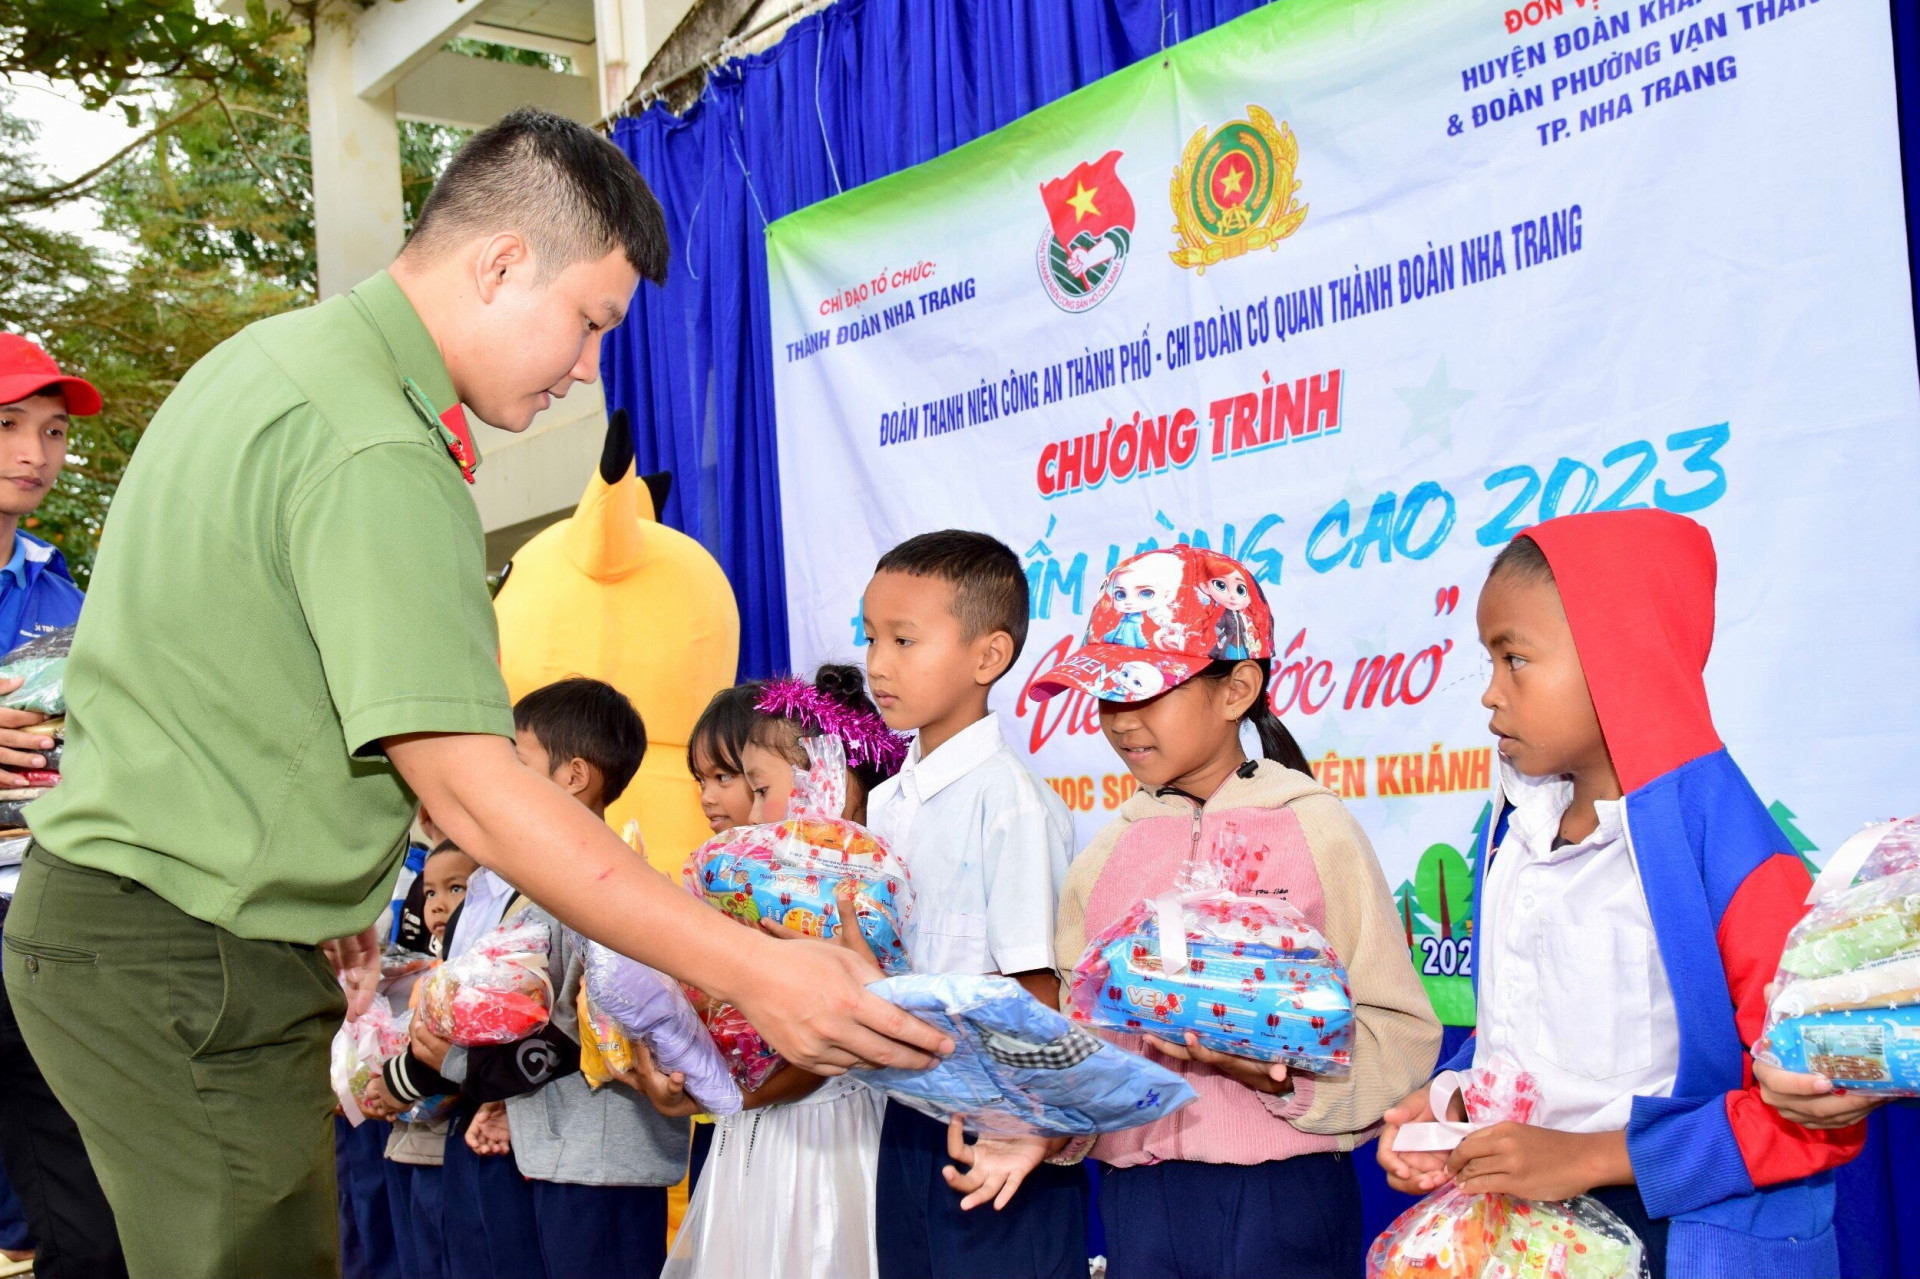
{"x":1171,"y":912}
{"x":1440,"y":1134}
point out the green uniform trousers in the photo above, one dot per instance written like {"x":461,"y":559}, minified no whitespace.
{"x":194,"y":1062}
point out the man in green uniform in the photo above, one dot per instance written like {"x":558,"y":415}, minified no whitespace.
{"x":288,"y":639}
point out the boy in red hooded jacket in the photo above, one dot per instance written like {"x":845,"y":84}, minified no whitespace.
{"x":1632,"y":903}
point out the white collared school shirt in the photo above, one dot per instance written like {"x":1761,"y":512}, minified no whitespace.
{"x":1572,"y":987}
{"x":986,"y":844}
{"x":483,"y":908}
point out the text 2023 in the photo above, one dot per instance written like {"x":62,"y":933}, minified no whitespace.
{"x":1420,"y":524}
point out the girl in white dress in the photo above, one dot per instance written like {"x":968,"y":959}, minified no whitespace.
{"x":788,"y":1188}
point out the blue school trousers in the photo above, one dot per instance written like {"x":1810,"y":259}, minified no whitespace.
{"x":923,"y":1234}
{"x":487,"y":1212}
{"x":1182,"y":1220}
{"x":413,"y":1194}
{"x":601,"y":1232}
{"x":368,"y":1245}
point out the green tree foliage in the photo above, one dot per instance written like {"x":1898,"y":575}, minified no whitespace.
{"x":105,"y":47}
{"x":216,"y":200}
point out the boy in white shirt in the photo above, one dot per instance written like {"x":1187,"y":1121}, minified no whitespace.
{"x":987,"y":844}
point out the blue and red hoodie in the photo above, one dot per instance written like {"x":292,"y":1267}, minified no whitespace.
{"x":1747,"y":1192}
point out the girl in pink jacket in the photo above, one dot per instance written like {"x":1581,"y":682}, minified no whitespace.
{"x":1256,"y":1177}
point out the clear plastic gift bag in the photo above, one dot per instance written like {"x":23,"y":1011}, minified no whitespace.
{"x":791,"y":872}
{"x":1246,"y":974}
{"x":1846,"y":1001}
{"x":360,"y":1048}
{"x":498,"y":992}
{"x":1452,"y":1234}
{"x":1455,"y":1235}
{"x":1875,"y":851}
{"x":1019,"y":1067}
{"x":646,"y":1004}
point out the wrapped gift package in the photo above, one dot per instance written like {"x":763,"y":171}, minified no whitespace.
{"x":1247,"y":974}
{"x":42,"y":663}
{"x":641,"y":1002}
{"x":791,"y":873}
{"x":1019,"y":1067}
{"x":1846,"y":1001}
{"x":498,"y":992}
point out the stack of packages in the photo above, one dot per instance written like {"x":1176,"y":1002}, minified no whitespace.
{"x":1455,"y":1235}
{"x":794,"y":872}
{"x":1248,"y":975}
{"x":1846,"y":1003}
{"x":42,"y":663}
{"x":498,"y":992}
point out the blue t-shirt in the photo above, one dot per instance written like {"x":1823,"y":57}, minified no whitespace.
{"x":36,"y":592}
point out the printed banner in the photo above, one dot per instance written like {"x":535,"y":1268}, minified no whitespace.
{"x":1357,"y":291}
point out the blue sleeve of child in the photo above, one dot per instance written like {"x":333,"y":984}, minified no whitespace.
{"x":1684,"y":1154}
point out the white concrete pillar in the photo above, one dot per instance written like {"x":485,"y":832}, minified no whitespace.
{"x":358,"y":218}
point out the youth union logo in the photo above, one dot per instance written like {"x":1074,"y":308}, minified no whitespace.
{"x":1233,"y":191}
{"x":1085,"y":247}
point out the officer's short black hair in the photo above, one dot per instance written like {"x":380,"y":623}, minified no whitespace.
{"x":989,"y":587}
{"x":581,"y":718}
{"x":573,"y":194}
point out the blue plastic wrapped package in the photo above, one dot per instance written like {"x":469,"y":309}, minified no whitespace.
{"x":1247,"y":974}
{"x":1018,"y":1067}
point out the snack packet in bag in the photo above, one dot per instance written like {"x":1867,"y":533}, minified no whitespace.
{"x":1846,"y":1001}
{"x":360,"y":1048}
{"x":1452,"y":1234}
{"x":1019,"y":1067}
{"x":1247,"y":974}
{"x":42,"y":663}
{"x":498,"y":992}
{"x":792,"y":871}
{"x":627,"y":998}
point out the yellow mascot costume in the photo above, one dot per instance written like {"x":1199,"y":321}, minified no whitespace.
{"x":614,"y":594}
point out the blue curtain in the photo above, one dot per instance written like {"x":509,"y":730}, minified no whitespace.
{"x":853,"y":93}
{"x":861,"y":90}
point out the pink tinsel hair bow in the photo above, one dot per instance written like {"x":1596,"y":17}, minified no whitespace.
{"x":867,"y":738}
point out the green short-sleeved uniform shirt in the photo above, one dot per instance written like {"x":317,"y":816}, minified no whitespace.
{"x":291,"y":571}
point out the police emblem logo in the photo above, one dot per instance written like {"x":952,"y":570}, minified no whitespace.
{"x":1234,"y":191}
{"x":1090,"y":217}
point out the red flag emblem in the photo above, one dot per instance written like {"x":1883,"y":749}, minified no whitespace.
{"x":1091,"y":198}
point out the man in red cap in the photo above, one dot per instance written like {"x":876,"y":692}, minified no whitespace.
{"x":72,"y":1226}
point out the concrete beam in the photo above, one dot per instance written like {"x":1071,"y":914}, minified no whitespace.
{"x":358,"y":219}
{"x":391,"y":38}
{"x":472,"y":93}
{"x":582,"y":56}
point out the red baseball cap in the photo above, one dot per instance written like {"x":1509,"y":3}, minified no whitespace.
{"x":26,"y":369}
{"x":1162,"y":618}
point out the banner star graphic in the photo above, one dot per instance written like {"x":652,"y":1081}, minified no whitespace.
{"x":1430,"y":408}
{"x":1082,"y":200}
